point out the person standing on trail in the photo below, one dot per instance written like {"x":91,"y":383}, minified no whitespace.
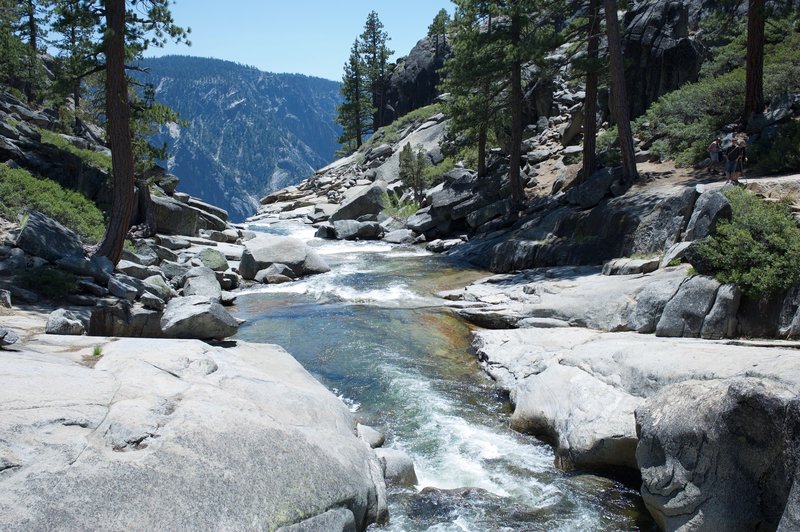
{"x":715,"y":151}
{"x":734,"y":161}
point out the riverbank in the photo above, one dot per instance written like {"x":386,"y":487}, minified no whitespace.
{"x":708,"y":424}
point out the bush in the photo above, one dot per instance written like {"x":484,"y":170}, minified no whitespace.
{"x":758,"y":248}
{"x":92,"y":158}
{"x":21,"y":191}
{"x":397,"y":208}
{"x":48,"y":281}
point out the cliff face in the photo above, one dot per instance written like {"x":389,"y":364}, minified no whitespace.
{"x":415,"y":78}
{"x":248,"y":133}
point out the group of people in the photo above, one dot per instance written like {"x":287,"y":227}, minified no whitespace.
{"x":732,"y":157}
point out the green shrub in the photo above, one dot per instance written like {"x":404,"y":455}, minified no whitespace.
{"x":21,"y":191}
{"x":97,"y":159}
{"x":395,"y":207}
{"x":779,"y":151}
{"x":48,"y":281}
{"x":758,"y":248}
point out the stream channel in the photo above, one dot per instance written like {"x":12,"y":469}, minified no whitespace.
{"x":373,"y":333}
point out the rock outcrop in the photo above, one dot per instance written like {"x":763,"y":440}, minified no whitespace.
{"x":719,"y":454}
{"x":660,"y":53}
{"x":415,"y":78}
{"x":158,"y":427}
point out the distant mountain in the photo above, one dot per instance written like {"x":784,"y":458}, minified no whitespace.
{"x":250,"y":132}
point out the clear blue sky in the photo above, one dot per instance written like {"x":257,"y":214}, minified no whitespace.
{"x":310,"y":37}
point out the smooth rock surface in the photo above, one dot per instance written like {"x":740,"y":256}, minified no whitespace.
{"x":160,"y":428}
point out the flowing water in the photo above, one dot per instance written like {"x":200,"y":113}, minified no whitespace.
{"x":372,"y":332}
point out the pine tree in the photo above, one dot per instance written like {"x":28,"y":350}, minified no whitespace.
{"x":12,"y":49}
{"x":355,"y":113}
{"x":500,"y":38}
{"x":438,"y":30}
{"x":472,"y":79}
{"x":126,"y":34}
{"x":412,"y":170}
{"x":375,"y":55}
{"x":75,"y":24}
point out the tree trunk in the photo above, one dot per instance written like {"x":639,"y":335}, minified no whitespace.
{"x":516,"y":118}
{"x":590,"y":104}
{"x":33,"y":44}
{"x":619,"y":96}
{"x":119,"y":134}
{"x":357,"y":117}
{"x":754,"y":85}
{"x":482,"y":152}
{"x":145,"y":210}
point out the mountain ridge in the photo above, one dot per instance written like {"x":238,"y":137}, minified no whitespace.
{"x":248,"y":132}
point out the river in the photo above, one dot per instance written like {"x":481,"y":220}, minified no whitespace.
{"x":372,"y":332}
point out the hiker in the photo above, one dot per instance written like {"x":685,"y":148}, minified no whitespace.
{"x":734,"y":161}
{"x":741,"y":144}
{"x":714,"y":152}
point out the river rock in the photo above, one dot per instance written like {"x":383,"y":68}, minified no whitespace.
{"x":359,"y":201}
{"x":400,"y":236}
{"x":42,"y":236}
{"x":353,"y":230}
{"x":137,"y":271}
{"x":5,"y":299}
{"x":120,"y":443}
{"x":591,"y":191}
{"x":718,"y":455}
{"x":650,"y":303}
{"x":174,"y":217}
{"x":686,"y":311}
{"x":174,"y":243}
{"x":275,"y":274}
{"x":372,"y":437}
{"x":125,"y":320}
{"x":120,"y":287}
{"x":398,"y":468}
{"x":197,"y":317}
{"x":213,"y":259}
{"x":7,"y":337}
{"x":173,"y":270}
{"x":202,"y":281}
{"x":721,"y":321}
{"x":156,"y":286}
{"x":62,"y":321}
{"x":265,"y":250}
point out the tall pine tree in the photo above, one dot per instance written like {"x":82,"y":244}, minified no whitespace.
{"x":375,"y":55}
{"x":355,"y":113}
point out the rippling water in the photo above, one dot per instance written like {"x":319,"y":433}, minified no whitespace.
{"x":373,"y":333}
